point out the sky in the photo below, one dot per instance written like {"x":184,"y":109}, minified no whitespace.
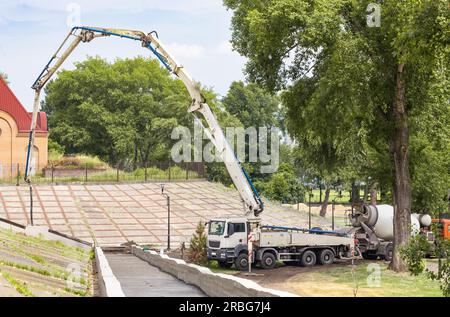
{"x":195,"y":32}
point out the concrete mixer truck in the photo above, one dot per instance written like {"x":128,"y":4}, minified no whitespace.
{"x":373,"y":227}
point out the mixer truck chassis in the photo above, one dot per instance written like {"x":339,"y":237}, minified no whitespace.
{"x":374,"y":230}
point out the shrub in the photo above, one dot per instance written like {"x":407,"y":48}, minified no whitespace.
{"x":197,"y":249}
{"x":413,"y":254}
{"x":77,"y":161}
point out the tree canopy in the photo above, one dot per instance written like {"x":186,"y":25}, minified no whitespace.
{"x":253,"y":106}
{"x":355,"y":94}
{"x":122,"y":111}
{"x":4,"y":77}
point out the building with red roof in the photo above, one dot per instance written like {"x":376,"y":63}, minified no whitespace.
{"x":15,"y":122}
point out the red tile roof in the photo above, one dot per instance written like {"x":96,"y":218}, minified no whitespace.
{"x":11,"y":105}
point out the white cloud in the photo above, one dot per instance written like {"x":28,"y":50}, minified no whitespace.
{"x":181,"y":51}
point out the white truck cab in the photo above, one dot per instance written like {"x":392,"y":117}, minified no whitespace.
{"x":225,"y":237}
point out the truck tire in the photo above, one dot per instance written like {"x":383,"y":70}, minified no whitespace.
{"x":308,"y":258}
{"x":224,"y":265}
{"x":389,"y":252}
{"x":326,"y":257}
{"x":268,"y":261}
{"x":241,"y":262}
{"x":369,"y":256}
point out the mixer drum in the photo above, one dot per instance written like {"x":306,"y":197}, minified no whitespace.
{"x":381,"y":219}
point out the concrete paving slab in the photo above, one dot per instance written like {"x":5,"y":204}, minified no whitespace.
{"x":132,"y":211}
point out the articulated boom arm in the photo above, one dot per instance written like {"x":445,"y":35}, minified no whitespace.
{"x":250,"y":196}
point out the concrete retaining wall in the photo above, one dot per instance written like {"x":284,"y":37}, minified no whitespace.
{"x":107,"y":282}
{"x":212,"y":284}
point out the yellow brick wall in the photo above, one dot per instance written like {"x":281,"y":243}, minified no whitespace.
{"x":13,"y":147}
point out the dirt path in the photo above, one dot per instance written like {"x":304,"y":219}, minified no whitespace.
{"x":283,"y":278}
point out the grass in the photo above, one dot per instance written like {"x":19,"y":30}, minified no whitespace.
{"x":77,"y":161}
{"x":39,"y":250}
{"x":19,"y":287}
{"x":37,"y":258}
{"x":215,"y":268}
{"x":373,"y":280}
{"x":109,"y":174}
{"x":76,"y":292}
{"x":61,"y":248}
{"x":28,"y":268}
{"x":334,"y":194}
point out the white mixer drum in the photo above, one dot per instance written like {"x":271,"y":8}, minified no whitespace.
{"x":415,"y":226}
{"x":424,"y":219}
{"x":384,"y":226}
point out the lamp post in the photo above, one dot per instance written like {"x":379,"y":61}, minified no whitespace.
{"x":309,"y":207}
{"x":168,"y":215}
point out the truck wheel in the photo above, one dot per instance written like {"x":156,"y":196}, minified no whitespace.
{"x":308,"y":258}
{"x":369,"y":256}
{"x":268,"y":261}
{"x":389,"y":252}
{"x":224,"y":265}
{"x":241,"y":262}
{"x":326,"y":257}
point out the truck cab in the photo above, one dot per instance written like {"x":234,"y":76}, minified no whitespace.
{"x":227,"y":238}
{"x":444,"y":227}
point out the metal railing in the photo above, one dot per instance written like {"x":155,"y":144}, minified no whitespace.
{"x":148,"y":172}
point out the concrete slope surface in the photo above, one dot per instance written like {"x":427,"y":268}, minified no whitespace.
{"x":31,"y":266}
{"x":139,"y":279}
{"x":117,"y":213}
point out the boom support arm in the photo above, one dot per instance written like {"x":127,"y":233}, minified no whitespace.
{"x":252,"y":201}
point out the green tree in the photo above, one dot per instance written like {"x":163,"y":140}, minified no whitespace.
{"x":216,"y":171}
{"x":255,"y":108}
{"x":122,"y":112}
{"x":376,"y":79}
{"x":4,"y":77}
{"x":252,"y":105}
{"x":283,"y":186}
{"x":197,"y":247}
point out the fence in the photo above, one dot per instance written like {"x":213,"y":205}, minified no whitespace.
{"x":152,"y":171}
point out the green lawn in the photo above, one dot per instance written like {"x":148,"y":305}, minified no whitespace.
{"x":372,"y":279}
{"x":334,"y":194}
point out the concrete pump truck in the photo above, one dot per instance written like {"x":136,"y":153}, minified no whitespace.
{"x":237,"y":240}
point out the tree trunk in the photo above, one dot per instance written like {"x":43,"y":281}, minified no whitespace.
{"x":402,"y":182}
{"x":366,"y":191}
{"x":323,"y":209}
{"x":320,"y":190}
{"x":373,"y":194}
{"x":355,"y":193}
{"x":135,"y":160}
